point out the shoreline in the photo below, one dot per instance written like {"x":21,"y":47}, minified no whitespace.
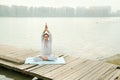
{"x":115,"y":59}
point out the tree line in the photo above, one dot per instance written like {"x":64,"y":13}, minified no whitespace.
{"x":24,"y":11}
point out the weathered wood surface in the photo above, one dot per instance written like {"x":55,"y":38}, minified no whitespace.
{"x":76,"y":68}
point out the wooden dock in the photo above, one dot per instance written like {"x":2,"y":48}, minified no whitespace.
{"x":76,"y":68}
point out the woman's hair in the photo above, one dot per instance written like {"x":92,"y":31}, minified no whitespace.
{"x":46,"y":34}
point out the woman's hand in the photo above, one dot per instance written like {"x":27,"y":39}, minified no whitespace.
{"x":46,"y":27}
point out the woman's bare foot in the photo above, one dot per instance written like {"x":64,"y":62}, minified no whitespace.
{"x":44,"y":58}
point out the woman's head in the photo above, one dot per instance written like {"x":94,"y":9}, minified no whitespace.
{"x":46,"y":36}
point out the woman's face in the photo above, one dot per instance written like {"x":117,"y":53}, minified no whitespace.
{"x":46,"y":37}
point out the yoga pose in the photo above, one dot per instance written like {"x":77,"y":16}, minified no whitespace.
{"x":46,"y":44}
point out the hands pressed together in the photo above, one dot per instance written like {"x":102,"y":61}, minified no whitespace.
{"x":46,"y":28}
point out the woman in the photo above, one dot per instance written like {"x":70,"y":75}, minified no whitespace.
{"x":46,"y":44}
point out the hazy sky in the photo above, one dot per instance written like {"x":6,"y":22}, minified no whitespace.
{"x":115,"y":4}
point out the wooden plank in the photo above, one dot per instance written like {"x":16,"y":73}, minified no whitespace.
{"x":70,"y":72}
{"x":117,"y":74}
{"x":49,"y":69}
{"x":59,"y":70}
{"x":18,"y":53}
{"x":14,"y":66}
{"x":80,"y":71}
{"x":108,"y":77}
{"x":85,"y":73}
{"x":107,"y":73}
{"x":11,"y":59}
{"x":88,"y":70}
{"x":92,"y":73}
{"x":8,"y":53}
{"x":9,"y":49}
{"x":18,"y":57}
{"x":101,"y":72}
{"x":24,"y":53}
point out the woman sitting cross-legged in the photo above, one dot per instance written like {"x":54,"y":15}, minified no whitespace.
{"x":46,"y":44}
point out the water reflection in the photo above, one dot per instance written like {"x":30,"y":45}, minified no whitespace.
{"x":6,"y":74}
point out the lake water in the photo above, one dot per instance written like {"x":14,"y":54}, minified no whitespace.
{"x":6,"y":74}
{"x":91,"y":38}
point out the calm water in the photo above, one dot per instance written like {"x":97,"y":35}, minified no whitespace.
{"x":92,"y":38}
{"x":6,"y":74}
